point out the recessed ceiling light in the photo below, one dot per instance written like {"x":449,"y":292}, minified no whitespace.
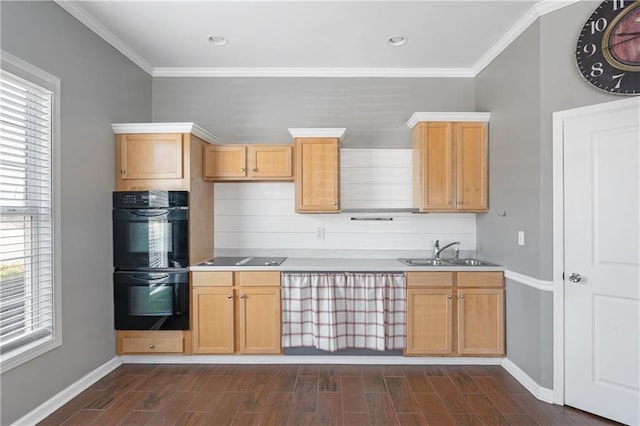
{"x":396,"y":40}
{"x":217,"y":40}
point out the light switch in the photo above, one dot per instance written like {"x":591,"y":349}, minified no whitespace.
{"x":520,"y":238}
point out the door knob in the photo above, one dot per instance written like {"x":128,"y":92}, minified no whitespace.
{"x":575,"y":277}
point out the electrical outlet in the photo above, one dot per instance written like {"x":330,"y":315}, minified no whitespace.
{"x":520,"y":238}
{"x":319,"y":233}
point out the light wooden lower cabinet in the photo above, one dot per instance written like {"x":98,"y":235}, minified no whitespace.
{"x":455,"y":313}
{"x":153,"y":342}
{"x":236,"y":312}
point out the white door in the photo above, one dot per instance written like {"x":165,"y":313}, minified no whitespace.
{"x":602,"y":258}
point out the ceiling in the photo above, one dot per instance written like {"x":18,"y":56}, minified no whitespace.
{"x":341,"y":38}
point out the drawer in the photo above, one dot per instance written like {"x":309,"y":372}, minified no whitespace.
{"x":131,"y":342}
{"x":429,"y":279}
{"x":480,"y":279}
{"x":258,"y":278}
{"x":212,"y":278}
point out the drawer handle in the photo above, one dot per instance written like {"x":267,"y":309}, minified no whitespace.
{"x":152,"y":346}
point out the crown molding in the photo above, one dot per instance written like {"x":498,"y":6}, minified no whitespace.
{"x":477,"y":117}
{"x":194,"y":129}
{"x":538,"y":10}
{"x":318,"y":133}
{"x":90,"y":22}
{"x":314,"y":72}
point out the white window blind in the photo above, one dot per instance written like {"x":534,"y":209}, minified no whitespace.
{"x":26,"y":227}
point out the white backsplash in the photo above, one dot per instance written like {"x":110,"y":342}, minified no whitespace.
{"x":259,"y":218}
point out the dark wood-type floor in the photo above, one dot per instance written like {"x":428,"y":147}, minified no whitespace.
{"x":311,"y":395}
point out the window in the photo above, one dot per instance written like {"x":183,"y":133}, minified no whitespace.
{"x":29,"y":300}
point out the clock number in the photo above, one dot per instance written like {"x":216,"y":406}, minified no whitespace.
{"x":598,"y":25}
{"x":618,"y":4}
{"x":619,"y":77}
{"x":590,"y":49}
{"x":596,"y":69}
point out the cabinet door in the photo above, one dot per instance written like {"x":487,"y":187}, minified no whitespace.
{"x":437,"y":167}
{"x":471,"y":167}
{"x":149,"y":156}
{"x":260,"y":320}
{"x":317,"y":165}
{"x":225,"y":161}
{"x":270,"y":161}
{"x":213,"y":331}
{"x":429,"y":315}
{"x":481,"y":321}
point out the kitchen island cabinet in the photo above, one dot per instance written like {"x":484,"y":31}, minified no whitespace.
{"x":455,"y":313}
{"x":236,"y":312}
{"x":450,"y":163}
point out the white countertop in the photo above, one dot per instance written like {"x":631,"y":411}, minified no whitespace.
{"x":310,"y":264}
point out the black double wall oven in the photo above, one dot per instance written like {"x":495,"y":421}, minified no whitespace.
{"x":150,"y":259}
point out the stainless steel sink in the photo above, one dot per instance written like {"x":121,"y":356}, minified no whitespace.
{"x":444,"y":262}
{"x":469,"y":262}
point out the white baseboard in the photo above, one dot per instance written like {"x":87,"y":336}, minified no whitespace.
{"x":542,"y":393}
{"x":305,"y":359}
{"x":64,"y":396}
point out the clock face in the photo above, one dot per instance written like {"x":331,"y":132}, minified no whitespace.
{"x":608,"y":49}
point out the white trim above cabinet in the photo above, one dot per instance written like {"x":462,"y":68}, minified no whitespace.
{"x":473,"y":117}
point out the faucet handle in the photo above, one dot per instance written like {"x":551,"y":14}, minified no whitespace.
{"x":437,"y":245}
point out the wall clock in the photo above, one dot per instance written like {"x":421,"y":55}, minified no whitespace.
{"x":608,"y":49}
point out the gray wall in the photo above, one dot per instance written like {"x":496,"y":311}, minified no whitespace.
{"x":99,"y":86}
{"x":259,"y":110}
{"x":530,"y":80}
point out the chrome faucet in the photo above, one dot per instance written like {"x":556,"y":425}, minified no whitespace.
{"x":437,"y":250}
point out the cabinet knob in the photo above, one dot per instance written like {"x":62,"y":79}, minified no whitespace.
{"x":255,"y":170}
{"x":123,"y":171}
{"x":449,"y":296}
{"x":152,"y":346}
{"x":229,"y":296}
{"x":460,"y":202}
{"x":243,"y":169}
{"x":462,"y":296}
{"x":449,"y":203}
{"x":242,"y":296}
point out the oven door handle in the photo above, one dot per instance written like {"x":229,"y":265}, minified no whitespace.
{"x":150,"y":213}
{"x":149,"y":279}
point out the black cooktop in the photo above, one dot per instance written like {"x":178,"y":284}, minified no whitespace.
{"x":243,"y":261}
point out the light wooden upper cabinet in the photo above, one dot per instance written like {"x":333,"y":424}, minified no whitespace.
{"x":317,"y":175}
{"x":270,"y":161}
{"x":149,"y":157}
{"x":248,"y":162}
{"x":225,"y":161}
{"x":450,"y":166}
